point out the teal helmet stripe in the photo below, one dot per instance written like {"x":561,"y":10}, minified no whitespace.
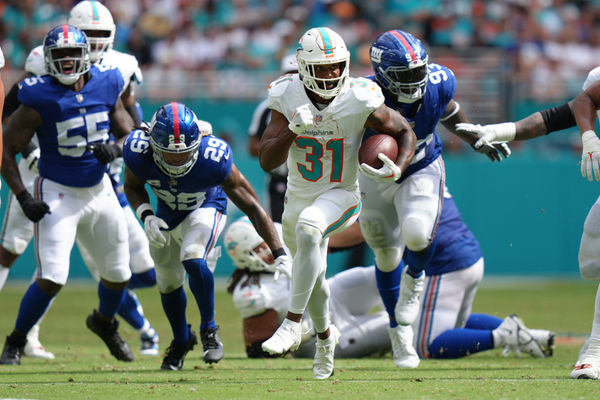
{"x":95,"y":15}
{"x":327,"y":46}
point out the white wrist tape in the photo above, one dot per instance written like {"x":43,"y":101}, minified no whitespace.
{"x":143,"y":207}
{"x":588,"y":135}
{"x":505,"y":132}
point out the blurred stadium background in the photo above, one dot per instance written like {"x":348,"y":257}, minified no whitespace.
{"x":511,"y":58}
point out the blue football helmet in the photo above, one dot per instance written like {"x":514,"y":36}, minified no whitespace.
{"x":175,"y":137}
{"x":66,"y":53}
{"x":399,"y":61}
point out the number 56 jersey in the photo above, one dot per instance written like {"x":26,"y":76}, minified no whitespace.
{"x":325,"y":156}
{"x":177,"y":197}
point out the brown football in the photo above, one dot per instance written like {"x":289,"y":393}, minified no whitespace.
{"x":372,"y":146}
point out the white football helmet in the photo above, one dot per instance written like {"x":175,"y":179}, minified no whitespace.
{"x":319,"y":46}
{"x":240,"y":241}
{"x":93,"y":16}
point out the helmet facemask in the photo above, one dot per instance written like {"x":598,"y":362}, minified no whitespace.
{"x":100,"y":42}
{"x":408,"y":84}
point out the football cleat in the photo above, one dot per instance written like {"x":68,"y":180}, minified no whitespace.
{"x":588,"y":365}
{"x":107,"y":331}
{"x":13,"y":349}
{"x":149,"y":341}
{"x":323,"y":362}
{"x":407,"y":307}
{"x":286,"y":338}
{"x":512,"y":333}
{"x":33,"y":347}
{"x":403,"y":351}
{"x":173,"y":360}
{"x":211,"y":343}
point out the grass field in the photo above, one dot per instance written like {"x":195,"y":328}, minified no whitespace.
{"x":83,"y":369}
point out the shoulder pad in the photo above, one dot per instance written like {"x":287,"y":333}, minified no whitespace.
{"x":35,"y":64}
{"x":365,"y":89}
{"x":592,"y":78}
{"x":125,"y":63}
{"x":279,"y":86}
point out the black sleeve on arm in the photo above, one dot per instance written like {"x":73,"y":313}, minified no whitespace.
{"x":558,"y":118}
{"x":11,"y":102}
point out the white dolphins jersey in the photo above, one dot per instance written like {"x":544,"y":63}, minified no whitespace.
{"x":592,"y":78}
{"x":1,"y":59}
{"x":325,"y":156}
{"x":125,"y":63}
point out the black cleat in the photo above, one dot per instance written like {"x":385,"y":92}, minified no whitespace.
{"x":14,"y":347}
{"x":108,"y":333}
{"x":175,"y":355}
{"x":213,"y":348}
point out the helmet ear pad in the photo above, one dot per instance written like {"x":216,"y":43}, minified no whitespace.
{"x":399,"y":61}
{"x":175,"y":138}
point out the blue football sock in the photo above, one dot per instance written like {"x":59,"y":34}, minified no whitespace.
{"x":417,"y":261}
{"x":202,"y":285}
{"x":388,"y":284}
{"x":483,"y":321}
{"x":142,"y":280}
{"x":460,"y":342}
{"x":110,"y":300}
{"x":33,"y":306}
{"x":130,"y":310}
{"x":174,"y":304}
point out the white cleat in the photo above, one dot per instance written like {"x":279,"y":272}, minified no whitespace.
{"x":514,"y":335}
{"x":407,"y":307}
{"x":403,"y":352}
{"x":286,"y":338}
{"x":323,"y":363}
{"x":33,"y":347}
{"x":588,"y":365}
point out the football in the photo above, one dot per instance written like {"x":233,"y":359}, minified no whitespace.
{"x":372,"y":146}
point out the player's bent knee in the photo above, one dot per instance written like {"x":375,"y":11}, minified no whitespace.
{"x":193,"y":251}
{"x":589,"y":256}
{"x":307,"y":234}
{"x":387,"y":259}
{"x":416,"y":233}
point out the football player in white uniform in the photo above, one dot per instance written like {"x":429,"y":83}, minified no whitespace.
{"x":317,"y":123}
{"x":95,"y":20}
{"x":581,"y":111}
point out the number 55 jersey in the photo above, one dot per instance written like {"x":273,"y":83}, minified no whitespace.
{"x":177,"y":197}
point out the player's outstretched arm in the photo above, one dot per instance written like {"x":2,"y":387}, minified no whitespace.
{"x":238,"y":189}
{"x":134,"y":189}
{"x":388,"y":121}
{"x":17,"y":134}
{"x":275,"y":142}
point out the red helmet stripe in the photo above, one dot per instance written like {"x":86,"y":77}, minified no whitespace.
{"x":175,"y":121}
{"x":65,"y":33}
{"x":406,"y":45}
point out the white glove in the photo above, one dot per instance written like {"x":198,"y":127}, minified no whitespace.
{"x":283,"y":265}
{"x":492,"y":138}
{"x":32,"y":160}
{"x":590,"y":157}
{"x":301,"y":119}
{"x":153,"y":226}
{"x":390,"y":172}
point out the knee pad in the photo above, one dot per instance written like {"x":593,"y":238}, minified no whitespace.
{"x":416,"y":233}
{"x":307,"y":234}
{"x":388,"y":258}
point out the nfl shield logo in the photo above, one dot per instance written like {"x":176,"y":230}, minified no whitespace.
{"x":318,"y":118}
{"x":79,"y":97}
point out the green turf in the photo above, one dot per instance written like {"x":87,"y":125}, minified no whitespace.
{"x":84,"y":370}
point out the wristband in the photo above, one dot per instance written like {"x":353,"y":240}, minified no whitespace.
{"x":143,"y":211}
{"x":279,"y":252}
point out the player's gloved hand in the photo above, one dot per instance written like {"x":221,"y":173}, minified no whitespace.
{"x":283,"y":265}
{"x":31,"y":159}
{"x":389,"y":172}
{"x":34,"y":209}
{"x":590,"y":156}
{"x":153,"y":226}
{"x":105,"y":152}
{"x":301,"y":119}
{"x":492,"y":138}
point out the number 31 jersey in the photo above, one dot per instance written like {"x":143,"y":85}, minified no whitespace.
{"x":325,"y":156}
{"x":70,"y":121}
{"x":177,"y":197}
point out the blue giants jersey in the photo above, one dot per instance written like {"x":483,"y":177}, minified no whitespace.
{"x":70,"y":121}
{"x":424,"y":115}
{"x":177,"y":197}
{"x":456,"y":247}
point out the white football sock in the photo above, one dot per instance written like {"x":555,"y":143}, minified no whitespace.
{"x":3,"y":275}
